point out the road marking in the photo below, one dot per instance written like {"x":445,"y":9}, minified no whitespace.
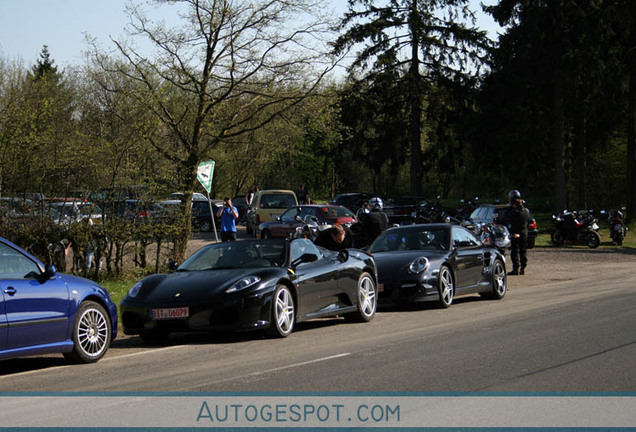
{"x":253,"y":374}
{"x":66,"y":366}
{"x":298,"y":364}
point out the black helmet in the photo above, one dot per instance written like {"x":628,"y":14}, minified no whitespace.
{"x":513,"y":194}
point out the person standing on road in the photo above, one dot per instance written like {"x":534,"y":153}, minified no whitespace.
{"x":228,"y":214}
{"x":517,"y":222}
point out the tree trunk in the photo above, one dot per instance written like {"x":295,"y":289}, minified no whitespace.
{"x":415,"y":123}
{"x":580,"y":156}
{"x":557,"y":134}
{"x":631,"y":145}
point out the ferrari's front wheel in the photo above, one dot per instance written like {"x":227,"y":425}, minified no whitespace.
{"x":91,"y":333}
{"x":367,"y":294}
{"x":446,"y":287}
{"x":283,"y":312}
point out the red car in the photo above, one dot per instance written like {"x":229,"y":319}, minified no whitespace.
{"x":286,"y":224}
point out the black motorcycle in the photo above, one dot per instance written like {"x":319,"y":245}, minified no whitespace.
{"x":617,"y":227}
{"x":577,"y":228}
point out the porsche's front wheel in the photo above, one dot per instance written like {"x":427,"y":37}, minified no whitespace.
{"x":283,"y":312}
{"x":91,"y":333}
{"x":367,"y":293}
{"x":446,"y":287}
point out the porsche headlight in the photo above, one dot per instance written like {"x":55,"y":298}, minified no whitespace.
{"x":418,"y":265}
{"x":134,"y":290}
{"x":246,"y":282}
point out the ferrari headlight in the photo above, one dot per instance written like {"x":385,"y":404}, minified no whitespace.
{"x":418,"y":265}
{"x":134,"y":290}
{"x":246,"y":282}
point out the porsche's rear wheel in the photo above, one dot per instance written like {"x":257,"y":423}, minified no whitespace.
{"x":283,"y":312}
{"x":91,"y":333}
{"x":499,"y":286}
{"x":367,"y":299}
{"x":446,"y":287}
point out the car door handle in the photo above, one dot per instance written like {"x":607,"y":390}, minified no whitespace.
{"x":11,"y":291}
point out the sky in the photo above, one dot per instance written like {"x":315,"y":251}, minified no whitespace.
{"x":27,"y":25}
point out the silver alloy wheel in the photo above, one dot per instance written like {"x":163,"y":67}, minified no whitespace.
{"x":284,"y":311}
{"x":446,"y":287}
{"x":92,"y":332}
{"x":367,"y":297}
{"x":499,"y":279}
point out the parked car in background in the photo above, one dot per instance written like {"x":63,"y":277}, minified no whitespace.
{"x":135,"y":210}
{"x":353,"y":201}
{"x":201,"y":217}
{"x":489,"y":213}
{"x":196,"y":196}
{"x":266,"y":205}
{"x":45,"y":312}
{"x":286,"y":224}
{"x":403,"y":209}
{"x":76,"y":210}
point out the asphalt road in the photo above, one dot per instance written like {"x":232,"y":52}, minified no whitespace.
{"x":556,"y":330}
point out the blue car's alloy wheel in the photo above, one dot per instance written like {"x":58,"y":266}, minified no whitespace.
{"x":91,"y":333}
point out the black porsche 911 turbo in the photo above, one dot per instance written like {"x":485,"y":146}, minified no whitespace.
{"x":252,"y":284}
{"x":436,"y":262}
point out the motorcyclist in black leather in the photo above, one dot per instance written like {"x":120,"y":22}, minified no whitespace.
{"x":376,"y":221}
{"x":516,"y":219}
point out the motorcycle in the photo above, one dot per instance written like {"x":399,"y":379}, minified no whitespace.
{"x":495,"y":235}
{"x":577,"y":228}
{"x":309,"y":229}
{"x":617,"y":227}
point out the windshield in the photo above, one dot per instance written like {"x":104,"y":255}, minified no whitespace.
{"x":243,"y":254}
{"x":411,"y":238}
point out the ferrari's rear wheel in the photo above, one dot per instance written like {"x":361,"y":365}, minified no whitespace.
{"x":91,"y":333}
{"x":266,"y":235}
{"x":446,"y":287}
{"x":499,"y":286}
{"x":283,"y":312}
{"x":367,"y":299}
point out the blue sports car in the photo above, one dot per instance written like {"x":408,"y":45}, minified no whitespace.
{"x":42,"y":311}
